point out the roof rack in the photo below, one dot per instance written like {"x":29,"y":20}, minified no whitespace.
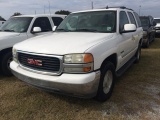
{"x":122,"y":7}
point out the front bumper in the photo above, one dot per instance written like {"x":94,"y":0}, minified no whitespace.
{"x":157,"y":31}
{"x":79,"y":85}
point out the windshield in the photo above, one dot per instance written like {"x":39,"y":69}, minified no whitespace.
{"x":99,"y":21}
{"x":16,"y":24}
{"x":157,"y":20}
{"x":144,"y":21}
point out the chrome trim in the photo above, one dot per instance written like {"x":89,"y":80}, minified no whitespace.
{"x":65,"y":65}
{"x":42,"y":72}
{"x":77,"y":65}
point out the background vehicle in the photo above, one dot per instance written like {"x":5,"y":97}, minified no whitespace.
{"x":157,"y":27}
{"x":148,"y":25}
{"x":20,"y":28}
{"x":84,"y":56}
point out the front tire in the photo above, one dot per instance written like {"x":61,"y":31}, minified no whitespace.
{"x":5,"y":62}
{"x":107,"y":81}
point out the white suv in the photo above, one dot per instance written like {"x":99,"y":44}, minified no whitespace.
{"x":20,"y":28}
{"x":85,"y":54}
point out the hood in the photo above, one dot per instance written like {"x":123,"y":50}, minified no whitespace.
{"x":158,"y":25}
{"x":61,"y":43}
{"x":4,"y":35}
{"x":145,"y":28}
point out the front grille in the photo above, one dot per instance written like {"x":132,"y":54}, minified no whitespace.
{"x":48,"y":64}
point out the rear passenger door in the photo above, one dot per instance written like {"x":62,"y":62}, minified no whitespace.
{"x":43,"y":23}
{"x":139,"y":27}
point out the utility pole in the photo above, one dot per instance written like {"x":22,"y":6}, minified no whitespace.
{"x":139,"y":10}
{"x":49,"y":7}
{"x":92,"y":5}
{"x":44,"y":9}
{"x":35,"y":12}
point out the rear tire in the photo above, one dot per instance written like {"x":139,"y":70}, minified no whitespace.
{"x":107,"y":81}
{"x":153,"y":38}
{"x":147,"y":43}
{"x":5,"y":62}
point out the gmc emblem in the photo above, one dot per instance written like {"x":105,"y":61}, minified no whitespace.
{"x":34,"y":62}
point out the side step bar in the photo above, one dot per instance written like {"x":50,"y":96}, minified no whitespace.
{"x":125,"y":67}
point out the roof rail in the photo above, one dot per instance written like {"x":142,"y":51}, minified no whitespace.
{"x":122,"y":7}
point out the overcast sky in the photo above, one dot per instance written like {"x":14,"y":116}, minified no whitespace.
{"x":8,"y":7}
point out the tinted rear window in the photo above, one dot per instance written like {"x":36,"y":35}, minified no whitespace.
{"x":57,"y":20}
{"x":138,"y":19}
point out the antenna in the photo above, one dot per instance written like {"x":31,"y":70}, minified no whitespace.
{"x":44,"y":9}
{"x":49,"y":7}
{"x":92,"y":5}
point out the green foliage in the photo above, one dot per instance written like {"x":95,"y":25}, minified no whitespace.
{"x":2,"y":19}
{"x":16,"y":14}
{"x":63,"y":12}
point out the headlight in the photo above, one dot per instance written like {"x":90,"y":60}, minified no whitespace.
{"x":78,"y":58}
{"x":14,"y":53}
{"x":78,"y":63}
{"x":144,"y":33}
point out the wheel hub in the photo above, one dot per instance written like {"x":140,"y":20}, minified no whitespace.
{"x":107,"y":83}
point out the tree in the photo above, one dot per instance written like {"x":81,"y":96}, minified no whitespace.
{"x":63,"y":12}
{"x":16,"y":14}
{"x":2,"y":19}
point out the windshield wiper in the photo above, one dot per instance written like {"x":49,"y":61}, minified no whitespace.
{"x":87,"y":30}
{"x":7,"y":30}
{"x":65,"y":30}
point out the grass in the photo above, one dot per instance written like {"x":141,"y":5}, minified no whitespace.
{"x":136,"y":96}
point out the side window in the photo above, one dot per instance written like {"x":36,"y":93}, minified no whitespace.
{"x":138,"y":19}
{"x":152,"y":20}
{"x":57,"y":20}
{"x":123,"y":19}
{"x":43,"y":23}
{"x":133,"y":21}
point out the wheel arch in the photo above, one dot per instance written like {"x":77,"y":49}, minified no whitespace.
{"x":4,"y":51}
{"x":112,"y":58}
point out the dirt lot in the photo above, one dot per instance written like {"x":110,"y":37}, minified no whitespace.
{"x":136,"y":96}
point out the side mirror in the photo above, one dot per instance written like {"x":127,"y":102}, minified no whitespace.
{"x":129,"y":28}
{"x":154,"y":23}
{"x":36,"y":30}
{"x":54,"y":28}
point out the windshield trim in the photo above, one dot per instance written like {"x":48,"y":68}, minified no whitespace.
{"x":96,"y":31}
{"x":4,"y":28}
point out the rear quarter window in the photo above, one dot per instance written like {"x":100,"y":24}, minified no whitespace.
{"x":138,"y":19}
{"x":132,"y":19}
